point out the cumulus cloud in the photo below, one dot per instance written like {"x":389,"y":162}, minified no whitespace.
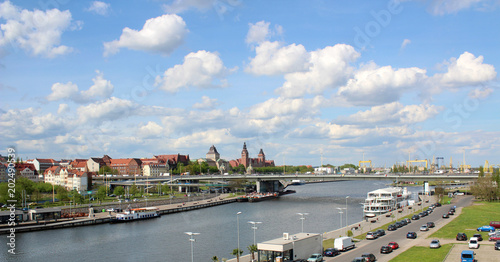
{"x":99,"y":8}
{"x":480,"y":93}
{"x":30,"y":123}
{"x":101,"y":88}
{"x":284,"y":106}
{"x":63,"y":108}
{"x":161,"y":35}
{"x":108,"y":110}
{"x":206,"y":103}
{"x":330,"y":68}
{"x":272,"y":59}
{"x":151,"y":129}
{"x":373,"y":85}
{"x":36,"y":32}
{"x":467,"y":70}
{"x":393,"y":113}
{"x":201,"y":69}
{"x":260,"y":32}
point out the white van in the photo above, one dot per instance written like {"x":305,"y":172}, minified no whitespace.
{"x":343,"y":243}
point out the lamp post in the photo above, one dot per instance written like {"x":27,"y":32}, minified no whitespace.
{"x":302,"y":217}
{"x":192,"y":240}
{"x":346,"y":224}
{"x":340,"y":212}
{"x":254,"y":227}
{"x":238,"y":227}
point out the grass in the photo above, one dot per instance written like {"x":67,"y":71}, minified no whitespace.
{"x":423,"y":254}
{"x":472,"y":217}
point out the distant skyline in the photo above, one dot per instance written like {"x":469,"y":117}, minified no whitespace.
{"x":303,"y":80}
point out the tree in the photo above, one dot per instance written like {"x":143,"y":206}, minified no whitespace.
{"x":237,"y":252}
{"x":252,"y":249}
{"x":215,"y":259}
{"x":62,"y":193}
{"x":102,"y":192}
{"x":119,"y":191}
{"x":485,"y":189}
{"x":133,"y":190}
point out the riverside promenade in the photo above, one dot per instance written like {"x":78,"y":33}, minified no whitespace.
{"x":106,"y":217}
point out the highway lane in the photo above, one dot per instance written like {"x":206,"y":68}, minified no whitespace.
{"x":399,"y":236}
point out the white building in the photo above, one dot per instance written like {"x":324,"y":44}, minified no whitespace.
{"x":154,"y":169}
{"x":327,"y":170}
{"x":290,"y":248}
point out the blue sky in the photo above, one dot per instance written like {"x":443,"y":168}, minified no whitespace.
{"x":299,"y":79}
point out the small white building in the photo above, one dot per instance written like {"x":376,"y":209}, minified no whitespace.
{"x":154,"y":169}
{"x":290,"y":248}
{"x":327,"y":170}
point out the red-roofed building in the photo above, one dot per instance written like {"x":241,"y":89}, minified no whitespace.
{"x":95,"y":163}
{"x":127,"y":166}
{"x":28,"y":171}
{"x":42,"y":164}
{"x":154,"y":167}
{"x":174,"y":160}
{"x":246,"y":161}
{"x":78,"y":164}
{"x":71,"y":179}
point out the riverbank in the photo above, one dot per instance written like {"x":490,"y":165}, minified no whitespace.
{"x":106,"y":217}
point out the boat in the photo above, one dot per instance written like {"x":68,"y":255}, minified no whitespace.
{"x":262,"y":197}
{"x":242,"y":198}
{"x":384,"y":200}
{"x":135,"y":214}
{"x":297,"y":182}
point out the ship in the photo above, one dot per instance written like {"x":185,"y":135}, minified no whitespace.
{"x":135,"y":214}
{"x":385,"y":200}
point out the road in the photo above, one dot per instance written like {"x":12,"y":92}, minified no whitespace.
{"x":399,"y":236}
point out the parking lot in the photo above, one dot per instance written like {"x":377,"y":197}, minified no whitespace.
{"x":485,"y":253}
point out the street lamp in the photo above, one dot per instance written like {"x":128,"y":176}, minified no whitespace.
{"x":254,"y":227}
{"x":192,"y":240}
{"x":346,"y":224}
{"x":340,"y":212}
{"x":302,"y":217}
{"x":238,"y":226}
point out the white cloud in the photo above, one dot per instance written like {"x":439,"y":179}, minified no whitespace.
{"x":101,"y":88}
{"x":207,"y":103}
{"x":99,"y":8}
{"x":200,"y":69}
{"x":272,"y":59}
{"x":151,"y":129}
{"x":161,"y":34}
{"x":63,"y":108}
{"x":393,"y":113}
{"x":442,"y":7}
{"x":467,"y":70}
{"x":283,"y":106}
{"x":36,"y":32}
{"x":30,"y":123}
{"x":330,"y":68}
{"x":405,"y":43}
{"x":480,"y":93}
{"x":373,"y":85}
{"x":108,"y":110}
{"x":209,"y":137}
{"x":260,"y":32}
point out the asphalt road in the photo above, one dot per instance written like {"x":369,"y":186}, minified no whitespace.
{"x":399,"y":236}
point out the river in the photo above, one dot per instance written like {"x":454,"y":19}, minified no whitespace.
{"x":163,"y":239}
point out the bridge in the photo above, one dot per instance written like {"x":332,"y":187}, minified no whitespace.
{"x":277,"y":183}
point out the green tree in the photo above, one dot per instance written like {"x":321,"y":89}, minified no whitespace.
{"x":252,"y":249}
{"x":62,"y":193}
{"x":102,"y":192}
{"x":76,"y":197}
{"x":215,"y":259}
{"x":237,"y":252}
{"x":133,"y":190}
{"x":119,"y":191}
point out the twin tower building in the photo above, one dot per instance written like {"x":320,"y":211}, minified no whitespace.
{"x":213,"y":159}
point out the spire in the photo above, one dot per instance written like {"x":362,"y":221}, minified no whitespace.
{"x":244,"y":145}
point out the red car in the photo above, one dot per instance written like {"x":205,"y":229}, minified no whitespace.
{"x":495,"y":237}
{"x":393,"y":245}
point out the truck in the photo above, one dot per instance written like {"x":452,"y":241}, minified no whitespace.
{"x":343,"y":243}
{"x":468,"y":256}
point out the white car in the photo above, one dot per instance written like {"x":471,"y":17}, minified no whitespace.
{"x":473,"y":243}
{"x":424,"y":228}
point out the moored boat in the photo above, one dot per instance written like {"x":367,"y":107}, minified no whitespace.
{"x":384,"y":200}
{"x":135,"y":214}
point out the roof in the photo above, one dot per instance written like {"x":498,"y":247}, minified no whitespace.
{"x":387,"y":190}
{"x":45,"y":160}
{"x":212,"y":150}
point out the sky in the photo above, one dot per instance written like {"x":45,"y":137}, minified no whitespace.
{"x":310,"y":82}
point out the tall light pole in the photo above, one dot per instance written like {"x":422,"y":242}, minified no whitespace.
{"x":302,"y":217}
{"x":254,"y":227}
{"x":346,"y":224}
{"x":340,"y":212}
{"x":238,"y":226}
{"x":192,"y":240}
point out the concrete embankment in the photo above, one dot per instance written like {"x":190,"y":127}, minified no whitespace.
{"x":105,"y":217}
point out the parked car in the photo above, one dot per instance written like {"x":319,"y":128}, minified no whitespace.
{"x":478,"y":236}
{"x":415,"y":217}
{"x":371,"y":235}
{"x":430,"y":224}
{"x":331,"y":252}
{"x":408,"y":221}
{"x":385,"y":249}
{"x":412,"y":235}
{"x":369,"y":257}
{"x":359,"y":259}
{"x":393,"y":245}
{"x":468,"y":256}
{"x":461,"y":237}
{"x":380,"y":232}
{"x":497,"y":245}
{"x":451,"y":213}
{"x":473,"y":243}
{"x":486,"y":229}
{"x":392,"y":227}
{"x":424,"y":228}
{"x":435,"y":244}
{"x":315,"y":258}
{"x":494,"y":237}
{"x":446,"y":216}
{"x":403,"y":222}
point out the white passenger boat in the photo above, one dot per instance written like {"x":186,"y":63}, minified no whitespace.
{"x":385,"y":200}
{"x":135,"y":214}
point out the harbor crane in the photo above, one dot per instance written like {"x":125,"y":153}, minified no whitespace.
{"x":418,"y":161}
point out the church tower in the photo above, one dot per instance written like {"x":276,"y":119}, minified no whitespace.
{"x":244,"y":155}
{"x":213,"y":154}
{"x":262,"y":158}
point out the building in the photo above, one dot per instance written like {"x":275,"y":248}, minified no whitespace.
{"x":154,"y":167}
{"x":288,"y":248}
{"x":174,"y":160}
{"x":42,"y":164}
{"x":71,"y":179}
{"x":95,"y":163}
{"x":213,"y":159}
{"x":28,"y":171}
{"x":78,"y":164}
{"x":127,"y":166}
{"x":326,"y":170}
{"x":246,"y":161}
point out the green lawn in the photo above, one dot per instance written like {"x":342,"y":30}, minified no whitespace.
{"x":472,"y":217}
{"x":423,"y":254}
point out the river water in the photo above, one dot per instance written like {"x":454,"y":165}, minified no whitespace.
{"x":163,"y":239}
